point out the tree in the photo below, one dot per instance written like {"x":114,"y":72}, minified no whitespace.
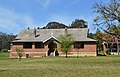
{"x":5,"y":40}
{"x":99,"y":38}
{"x":108,"y":16}
{"x":54,"y":25}
{"x":66,"y":42}
{"x":78,"y":23}
{"x":20,"y":53}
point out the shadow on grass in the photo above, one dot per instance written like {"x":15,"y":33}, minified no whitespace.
{"x":101,"y":55}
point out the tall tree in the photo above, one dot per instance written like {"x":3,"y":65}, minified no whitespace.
{"x":78,"y":23}
{"x":108,"y":16}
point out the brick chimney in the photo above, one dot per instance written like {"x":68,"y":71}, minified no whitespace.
{"x":35,"y":32}
{"x":66,"y":32}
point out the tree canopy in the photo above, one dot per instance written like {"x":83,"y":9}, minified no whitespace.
{"x":79,"y":23}
{"x":108,"y":16}
{"x":66,"y":42}
{"x":54,"y":25}
{"x":5,"y":40}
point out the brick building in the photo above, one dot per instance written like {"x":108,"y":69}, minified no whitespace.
{"x":111,"y":43}
{"x":43,"y":42}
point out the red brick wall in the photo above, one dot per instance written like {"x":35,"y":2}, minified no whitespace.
{"x":88,"y":50}
{"x":33,"y":52}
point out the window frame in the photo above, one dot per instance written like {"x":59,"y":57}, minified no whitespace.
{"x":39,"y":45}
{"x":27,"y":45}
{"x":79,"y":45}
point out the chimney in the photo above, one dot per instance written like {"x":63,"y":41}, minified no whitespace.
{"x":28,"y":28}
{"x":66,"y":32}
{"x":35,"y":32}
{"x":38,"y":28}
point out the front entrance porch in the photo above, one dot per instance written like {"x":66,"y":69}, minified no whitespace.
{"x":52,"y":49}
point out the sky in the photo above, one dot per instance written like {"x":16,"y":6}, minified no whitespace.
{"x":16,"y":15}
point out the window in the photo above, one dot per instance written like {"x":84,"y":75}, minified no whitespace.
{"x":79,"y":45}
{"x":15,"y":43}
{"x":39,"y":45}
{"x":27,"y":45}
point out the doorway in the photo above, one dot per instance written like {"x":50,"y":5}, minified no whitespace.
{"x":52,"y":49}
{"x":27,"y":55}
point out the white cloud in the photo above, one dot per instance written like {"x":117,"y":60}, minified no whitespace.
{"x":75,"y":1}
{"x":46,"y":3}
{"x":13,"y":22}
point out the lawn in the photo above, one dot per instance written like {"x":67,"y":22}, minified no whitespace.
{"x":102,"y":66}
{"x":4,"y":56}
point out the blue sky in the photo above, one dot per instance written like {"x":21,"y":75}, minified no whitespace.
{"x":20,"y":14}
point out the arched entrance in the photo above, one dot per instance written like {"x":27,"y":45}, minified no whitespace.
{"x":52,"y":49}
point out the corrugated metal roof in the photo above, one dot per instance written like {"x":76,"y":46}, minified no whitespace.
{"x":28,"y":35}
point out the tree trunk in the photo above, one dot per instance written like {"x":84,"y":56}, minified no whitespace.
{"x":66,"y":53}
{"x":118,"y":47}
{"x":19,"y":58}
{"x":77,"y":52}
{"x":104,"y":49}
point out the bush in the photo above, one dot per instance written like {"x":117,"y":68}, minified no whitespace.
{"x":20,"y":53}
{"x":4,"y":50}
{"x":108,"y":52}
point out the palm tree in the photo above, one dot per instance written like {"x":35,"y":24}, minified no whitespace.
{"x":66,"y":42}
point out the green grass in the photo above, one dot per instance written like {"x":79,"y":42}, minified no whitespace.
{"x":102,"y":66}
{"x":4,"y":56}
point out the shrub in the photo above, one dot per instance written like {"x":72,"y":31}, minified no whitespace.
{"x":4,"y":50}
{"x":108,"y":52}
{"x":20,"y":53}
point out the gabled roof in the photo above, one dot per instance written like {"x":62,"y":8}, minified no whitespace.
{"x":52,"y":37}
{"x":42,"y":35}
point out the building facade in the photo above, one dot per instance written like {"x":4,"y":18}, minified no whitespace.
{"x":44,"y":42}
{"x":111,"y":44}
